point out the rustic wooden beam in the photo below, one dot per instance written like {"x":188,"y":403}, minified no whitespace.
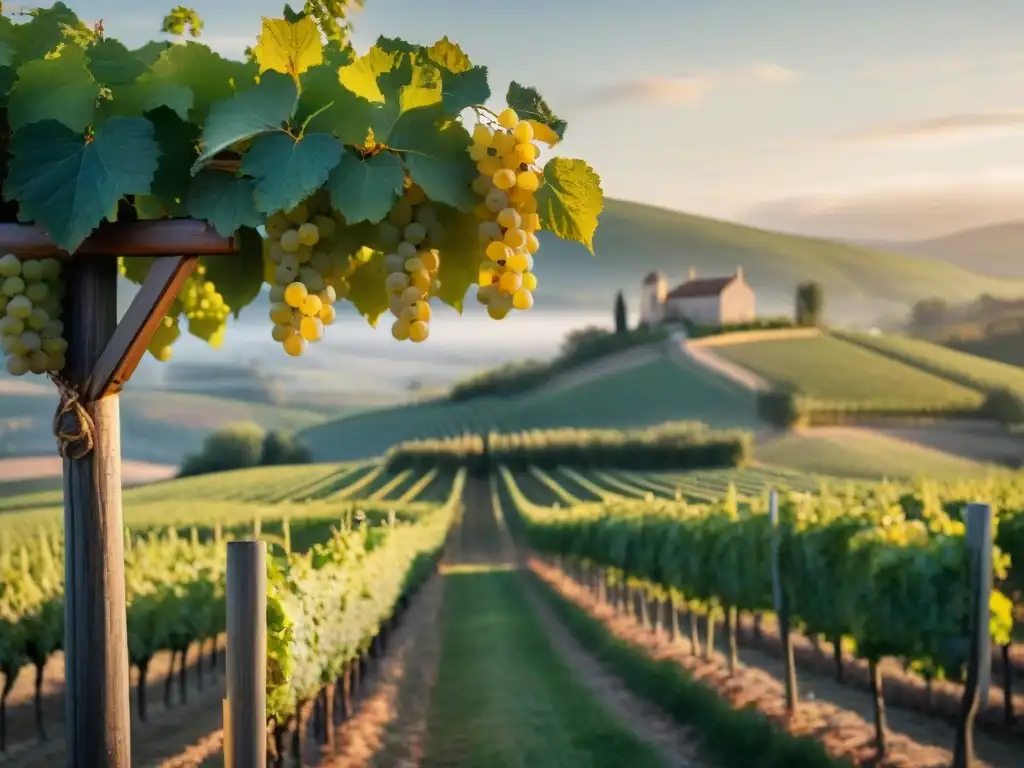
{"x":97,"y":716}
{"x":159,"y":237}
{"x":124,"y":351}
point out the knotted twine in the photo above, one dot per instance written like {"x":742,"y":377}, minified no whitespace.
{"x":73,"y":427}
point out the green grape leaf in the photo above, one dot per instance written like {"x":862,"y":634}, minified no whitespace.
{"x":149,"y":207}
{"x":151,"y":51}
{"x":435,"y":152}
{"x":145,"y":96}
{"x":225,"y":201}
{"x":326,"y":106}
{"x":136,"y":268}
{"x":570,"y":200}
{"x":529,"y":105}
{"x":262,"y":109}
{"x":361,"y":75}
{"x":44,"y":32}
{"x":366,"y":190}
{"x":239,"y":278}
{"x":461,"y":254}
{"x":289,"y":47}
{"x":288,"y":171}
{"x":462,"y":85}
{"x":395,"y":83}
{"x":209,"y":76}
{"x":366,"y":288}
{"x":177,"y":139}
{"x":69,"y":186}
{"x":113,"y":64}
{"x":61,"y":89}
{"x":393,"y":45}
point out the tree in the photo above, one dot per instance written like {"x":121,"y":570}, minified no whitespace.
{"x":283,"y":448}
{"x":236,"y":446}
{"x":621,"y":324}
{"x":929,"y":313}
{"x":810,"y":304}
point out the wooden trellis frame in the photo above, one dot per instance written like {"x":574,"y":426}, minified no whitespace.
{"x":102,"y":355}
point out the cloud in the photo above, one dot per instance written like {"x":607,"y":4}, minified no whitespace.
{"x":689,"y":91}
{"x":945,"y":126}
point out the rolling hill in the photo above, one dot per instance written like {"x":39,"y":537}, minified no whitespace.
{"x":633,"y":239}
{"x":993,"y":250}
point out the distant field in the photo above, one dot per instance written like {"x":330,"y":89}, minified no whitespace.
{"x":837,"y":371}
{"x":659,"y":391}
{"x":970,"y":370}
{"x":156,"y":427}
{"x":862,"y":453}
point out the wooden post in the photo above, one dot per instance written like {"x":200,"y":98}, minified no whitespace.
{"x":95,"y":629}
{"x":979,"y":659}
{"x":247,"y":654}
{"x":781,"y":608}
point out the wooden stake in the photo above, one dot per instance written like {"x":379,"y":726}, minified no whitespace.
{"x":95,"y":631}
{"x":247,"y":653}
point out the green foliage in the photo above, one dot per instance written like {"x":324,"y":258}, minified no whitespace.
{"x":98,"y":129}
{"x":810,"y":304}
{"x":244,"y":445}
{"x":621,"y":323}
{"x":1005,"y":407}
{"x":695,"y":331}
{"x":684,"y":445}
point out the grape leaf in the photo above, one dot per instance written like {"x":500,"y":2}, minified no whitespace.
{"x":290,"y":47}
{"x":61,"y":89}
{"x":461,"y":254}
{"x":113,"y":64}
{"x":462,"y":84}
{"x":287,"y":171}
{"x":145,"y":96}
{"x":395,"y":83}
{"x":330,"y":107}
{"x":366,"y":288}
{"x":69,"y":186}
{"x":177,"y":140}
{"x":365,"y":190}
{"x":570,"y":200}
{"x":361,"y":75}
{"x":250,"y":113}
{"x":529,"y":105}
{"x":135,"y":268}
{"x":209,"y":76}
{"x":44,"y":32}
{"x":435,"y":153}
{"x":239,"y":278}
{"x":225,"y":201}
{"x":151,"y":51}
{"x":543,"y":133}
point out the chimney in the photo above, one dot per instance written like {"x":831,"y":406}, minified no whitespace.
{"x":739,"y":273}
{"x":693,"y":274}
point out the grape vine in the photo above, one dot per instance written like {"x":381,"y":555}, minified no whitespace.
{"x":341,"y":177}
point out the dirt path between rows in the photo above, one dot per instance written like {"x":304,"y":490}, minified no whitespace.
{"x":837,"y":715}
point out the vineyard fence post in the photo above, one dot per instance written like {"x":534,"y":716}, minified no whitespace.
{"x":247,"y":654}
{"x":780,"y":604}
{"x":979,"y":655}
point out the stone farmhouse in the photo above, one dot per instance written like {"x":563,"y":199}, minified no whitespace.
{"x":703,"y":301}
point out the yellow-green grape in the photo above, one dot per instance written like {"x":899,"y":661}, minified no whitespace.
{"x":422,"y":311}
{"x":17,"y":365}
{"x":281,"y":314}
{"x":411,"y":295}
{"x":294,"y":345}
{"x":482,"y":135}
{"x":327,"y":314}
{"x":497,"y":251}
{"x":526,"y":153}
{"x":415,"y":233}
{"x":508,"y":119}
{"x":523,"y":132}
{"x":11,"y":325}
{"x":482,"y":185}
{"x":415,"y":264}
{"x":497,"y":199}
{"x":518,"y":262}
{"x":311,"y":305}
{"x":510,"y":282}
{"x":407,"y":250}
{"x":10,"y":266}
{"x":529,"y":281}
{"x":294,"y":295}
{"x":418,"y":331}
{"x":396,"y":282}
{"x":309,"y":234}
{"x":531,"y":223}
{"x":509,"y":218}
{"x":488,"y":231}
{"x":281,"y":332}
{"x":13,"y":286}
{"x":311,"y":329}
{"x":298,"y":215}
{"x":522,"y":299}
{"x":527,"y":180}
{"x":276,"y":225}
{"x":421,"y":280}
{"x":532,"y":243}
{"x":400,"y":329}
{"x":290,"y":241}
{"x":515,"y":239}
{"x":431,"y":260}
{"x":503,"y":143}
{"x":477,"y":152}
{"x":505,"y":179}
{"x":38,"y":362}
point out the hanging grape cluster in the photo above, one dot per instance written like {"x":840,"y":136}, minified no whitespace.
{"x":504,"y":155}
{"x":31,"y":333}
{"x":204,"y":309}
{"x":413,"y":230}
{"x":310,"y":262}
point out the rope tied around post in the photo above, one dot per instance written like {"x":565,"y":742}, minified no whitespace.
{"x":73,"y":427}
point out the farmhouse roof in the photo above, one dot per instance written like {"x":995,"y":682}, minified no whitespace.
{"x":705,"y":286}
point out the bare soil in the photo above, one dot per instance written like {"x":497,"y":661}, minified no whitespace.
{"x":32,"y":467}
{"x":840,"y":716}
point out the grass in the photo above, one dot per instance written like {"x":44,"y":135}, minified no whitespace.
{"x":864,"y":454}
{"x":969,"y":370}
{"x":659,"y":391}
{"x":832,"y":370}
{"x":503,"y":696}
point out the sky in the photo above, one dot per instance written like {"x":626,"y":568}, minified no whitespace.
{"x":871,"y":120}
